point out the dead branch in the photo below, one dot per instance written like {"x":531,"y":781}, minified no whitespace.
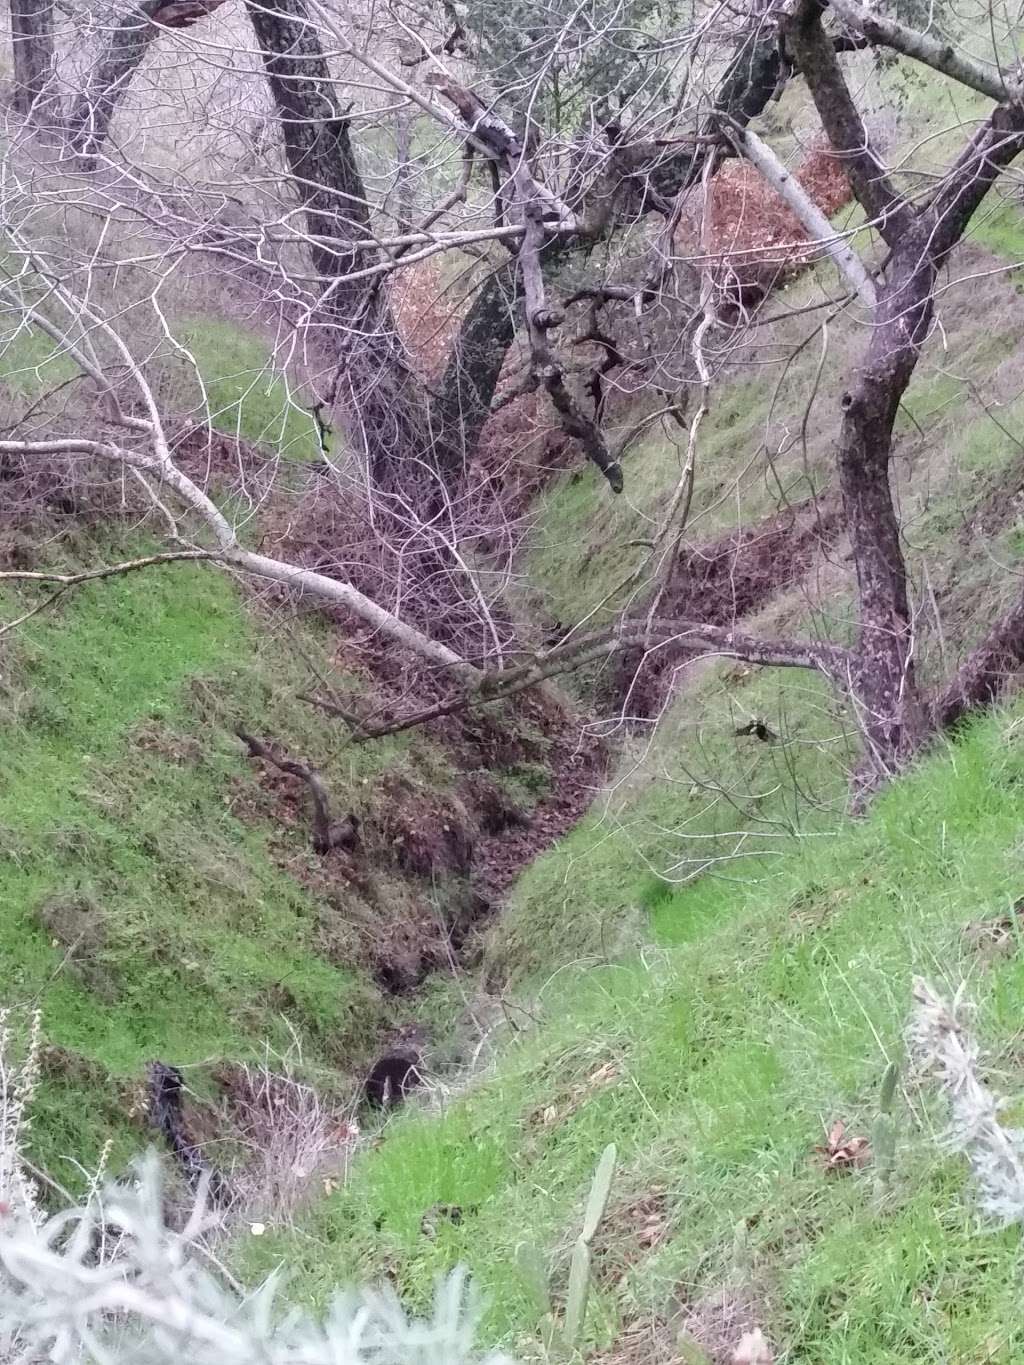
{"x":819,"y":229}
{"x":533,"y":206}
{"x":71,"y":580}
{"x":329,"y":590}
{"x":326,"y":835}
{"x":572,"y":655}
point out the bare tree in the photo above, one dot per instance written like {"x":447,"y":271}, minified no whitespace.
{"x":562,"y":215}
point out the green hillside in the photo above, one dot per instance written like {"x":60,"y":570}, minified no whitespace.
{"x":637,"y":909}
{"x":766,"y":1006}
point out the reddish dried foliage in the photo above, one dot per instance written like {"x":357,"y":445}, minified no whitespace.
{"x":427,"y":317}
{"x":759,"y":237}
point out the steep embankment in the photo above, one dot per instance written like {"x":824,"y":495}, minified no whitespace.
{"x":764,"y":1010}
{"x":714,"y":968}
{"x":161,"y":894}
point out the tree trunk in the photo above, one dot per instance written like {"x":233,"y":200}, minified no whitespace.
{"x":114,"y":70}
{"x":463,"y":401}
{"x":385,"y":402}
{"x":883,"y":685}
{"x":33,"y":54}
{"x":882,"y":681}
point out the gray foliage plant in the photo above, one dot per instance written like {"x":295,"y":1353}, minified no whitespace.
{"x":111,"y":1283}
{"x":947,"y":1052}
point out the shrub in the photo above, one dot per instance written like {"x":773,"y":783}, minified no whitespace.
{"x":110,"y":1282}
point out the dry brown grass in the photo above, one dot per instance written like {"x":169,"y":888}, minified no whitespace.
{"x":299,"y":1143}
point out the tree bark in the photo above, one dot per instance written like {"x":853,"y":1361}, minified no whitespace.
{"x":984,"y":673}
{"x":33,"y":55}
{"x":466,"y":391}
{"x":386,"y":405}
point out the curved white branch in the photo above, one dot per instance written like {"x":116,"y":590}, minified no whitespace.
{"x":335,"y":592}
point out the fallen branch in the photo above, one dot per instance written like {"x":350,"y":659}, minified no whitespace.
{"x":71,"y":580}
{"x":326,"y":835}
{"x":831,"y":660}
{"x":335,"y":592}
{"x":819,"y":229}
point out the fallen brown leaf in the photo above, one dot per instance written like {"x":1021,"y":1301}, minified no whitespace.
{"x":842,"y":1153}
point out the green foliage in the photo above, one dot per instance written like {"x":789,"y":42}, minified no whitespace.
{"x":569,"y":65}
{"x":145,"y":906}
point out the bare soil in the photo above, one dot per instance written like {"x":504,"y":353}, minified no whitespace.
{"x":723,"y":582}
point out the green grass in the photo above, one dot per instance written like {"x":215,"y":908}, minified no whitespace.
{"x":142,"y":867}
{"x":245,"y":396}
{"x":578,"y":515}
{"x":31,"y":363}
{"x":770,"y":1008}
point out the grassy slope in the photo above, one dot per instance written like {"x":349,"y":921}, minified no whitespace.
{"x":146,"y":905}
{"x":721,"y":937}
{"x":715,"y":1062}
{"x":769,"y":992}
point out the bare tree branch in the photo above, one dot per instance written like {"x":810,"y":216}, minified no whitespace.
{"x":326,"y":835}
{"x":883,"y":30}
{"x":820,"y":230}
{"x":130,"y":37}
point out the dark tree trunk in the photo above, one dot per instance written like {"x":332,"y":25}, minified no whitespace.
{"x":984,"y":673}
{"x":467,"y":387}
{"x":883,"y":686}
{"x":33,"y":55}
{"x":882,"y":680}
{"x":111,"y":75}
{"x":385,"y":402}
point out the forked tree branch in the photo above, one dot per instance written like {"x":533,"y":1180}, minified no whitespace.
{"x":325,"y":834}
{"x":533,"y":208}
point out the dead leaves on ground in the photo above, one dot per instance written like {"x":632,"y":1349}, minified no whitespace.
{"x":629,"y":1232}
{"x":841,"y":1153}
{"x":996,"y":937}
{"x":550,"y":1115}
